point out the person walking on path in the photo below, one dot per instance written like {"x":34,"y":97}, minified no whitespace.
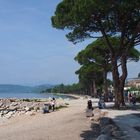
{"x":134,"y":99}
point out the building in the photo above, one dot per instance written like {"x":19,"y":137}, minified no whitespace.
{"x":134,"y":82}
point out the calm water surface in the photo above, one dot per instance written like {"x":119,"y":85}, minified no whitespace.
{"x":31,"y":95}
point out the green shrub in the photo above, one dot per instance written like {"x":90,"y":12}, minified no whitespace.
{"x":60,"y":107}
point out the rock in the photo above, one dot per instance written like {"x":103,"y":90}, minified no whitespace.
{"x":104,"y":121}
{"x":22,"y":112}
{"x":36,"y":108}
{"x":6,"y":102}
{"x":27,"y":113}
{"x":9,"y":114}
{"x":27,"y":109}
{"x":103,"y":137}
{"x":14,"y":100}
{"x":1,"y":104}
{"x":12,"y":108}
{"x":5,"y":112}
{"x":1,"y":114}
{"x":104,"y":113}
{"x":114,"y":128}
{"x":14,"y":104}
{"x":125,"y":138}
{"x":107,"y":129}
{"x":31,"y":113}
{"x":117,"y":134}
{"x":96,"y":115}
{"x":22,"y":106}
{"x":95,"y":118}
{"x":97,"y":111}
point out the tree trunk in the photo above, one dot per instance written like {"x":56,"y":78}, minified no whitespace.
{"x":116,"y":81}
{"x":94,"y":89}
{"x":123,"y":77}
{"x":105,"y":84}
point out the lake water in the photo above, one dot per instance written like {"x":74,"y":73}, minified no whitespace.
{"x":31,"y":95}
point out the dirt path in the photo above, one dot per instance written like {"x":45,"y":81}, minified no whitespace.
{"x":67,"y":124}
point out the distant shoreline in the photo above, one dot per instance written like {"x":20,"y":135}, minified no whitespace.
{"x":75,"y":96}
{"x":33,"y":95}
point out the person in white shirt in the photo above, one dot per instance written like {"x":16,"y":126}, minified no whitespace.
{"x":53,"y":102}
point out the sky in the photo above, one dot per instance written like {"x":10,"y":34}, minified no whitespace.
{"x":32,"y":51}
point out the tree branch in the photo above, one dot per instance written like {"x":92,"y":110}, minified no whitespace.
{"x":106,"y":37}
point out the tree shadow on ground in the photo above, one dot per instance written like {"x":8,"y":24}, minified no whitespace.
{"x":129,"y":123}
{"x":91,"y":134}
{"x":97,"y":129}
{"x":123,"y":126}
{"x":136,"y":114}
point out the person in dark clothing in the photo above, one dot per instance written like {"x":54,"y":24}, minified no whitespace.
{"x":89,"y":106}
{"x":134,"y":99}
{"x":89,"y":110}
{"x":110,"y":96}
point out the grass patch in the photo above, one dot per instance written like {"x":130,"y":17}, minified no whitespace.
{"x":60,"y":107}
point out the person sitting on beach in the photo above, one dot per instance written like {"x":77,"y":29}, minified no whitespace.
{"x":89,"y":110}
{"x":46,"y":108}
{"x":89,"y":106}
{"x":53,"y":102}
{"x":101,"y":104}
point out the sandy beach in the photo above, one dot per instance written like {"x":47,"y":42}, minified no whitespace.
{"x":65,"y":124}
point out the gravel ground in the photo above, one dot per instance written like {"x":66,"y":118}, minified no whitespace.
{"x":66,"y":124}
{"x":70,"y":124}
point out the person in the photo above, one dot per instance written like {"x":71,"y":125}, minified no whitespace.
{"x":101,"y":104}
{"x":134,"y":99}
{"x":126,"y":96}
{"x":89,"y":110}
{"x":53,"y":102}
{"x":110,"y":96}
{"x":130,"y":98}
{"x":46,"y":108}
{"x":90,"y":105}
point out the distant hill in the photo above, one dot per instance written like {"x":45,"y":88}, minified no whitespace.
{"x":14,"y":88}
{"x":39,"y":88}
{"x":22,"y":89}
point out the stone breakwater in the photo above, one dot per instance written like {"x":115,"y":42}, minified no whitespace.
{"x":14,"y":107}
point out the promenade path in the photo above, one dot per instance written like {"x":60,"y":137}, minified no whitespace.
{"x":128,"y":121}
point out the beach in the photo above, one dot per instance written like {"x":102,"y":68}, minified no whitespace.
{"x":64,"y":124}
{"x":71,"y":123}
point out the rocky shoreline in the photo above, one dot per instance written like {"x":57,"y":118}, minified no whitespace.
{"x":14,"y":107}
